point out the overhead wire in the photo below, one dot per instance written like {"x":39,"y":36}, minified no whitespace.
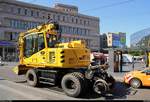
{"x":109,"y":5}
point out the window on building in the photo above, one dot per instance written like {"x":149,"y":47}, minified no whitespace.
{"x":70,"y":30}
{"x":76,"y":20}
{"x":63,"y":39}
{"x":37,"y":13}
{"x":80,"y":21}
{"x":49,"y":16}
{"x":84,"y":22}
{"x":12,"y":10}
{"x":83,"y":32}
{"x":19,"y":10}
{"x":13,"y":23}
{"x":61,"y":27}
{"x":25,"y":11}
{"x":29,"y":25}
{"x":64,"y":18}
{"x":64,"y":28}
{"x":54,"y":17}
{"x":21,"y":25}
{"x":14,"y":36}
{"x":17,"y":24}
{"x":25,"y":25}
{"x":67,"y":29}
{"x":72,"y":19}
{"x":10,"y":23}
{"x":32,"y":12}
{"x":88,"y":22}
{"x":87,"y":32}
{"x":79,"y":31}
{"x":75,"y":30}
{"x":58,"y":17}
{"x":11,"y":36}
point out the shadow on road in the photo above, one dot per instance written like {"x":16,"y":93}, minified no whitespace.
{"x":2,"y":79}
{"x":145,"y":87}
{"x":120,"y":91}
{"x":23,"y":81}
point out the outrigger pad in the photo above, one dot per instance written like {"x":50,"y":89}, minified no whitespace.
{"x":19,"y":70}
{"x":15,"y":70}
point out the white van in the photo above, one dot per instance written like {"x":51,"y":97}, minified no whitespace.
{"x":127,"y":58}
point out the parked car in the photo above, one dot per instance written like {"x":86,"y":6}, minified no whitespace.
{"x":138,"y":78}
{"x":1,"y":62}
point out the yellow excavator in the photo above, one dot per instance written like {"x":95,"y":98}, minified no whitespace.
{"x":44,"y":59}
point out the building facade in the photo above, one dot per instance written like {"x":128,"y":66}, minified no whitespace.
{"x":116,"y":40}
{"x":140,"y":39}
{"x":16,"y":17}
{"x":103,"y":41}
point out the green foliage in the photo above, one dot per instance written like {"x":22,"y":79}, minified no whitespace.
{"x":136,"y":53}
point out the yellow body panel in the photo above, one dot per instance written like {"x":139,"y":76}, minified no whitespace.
{"x":72,"y":54}
{"x":73,"y":58}
{"x":145,"y":79}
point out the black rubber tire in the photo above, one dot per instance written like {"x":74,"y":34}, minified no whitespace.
{"x":135,"y":83}
{"x":77,"y":80}
{"x":85,"y":83}
{"x":32,"y":78}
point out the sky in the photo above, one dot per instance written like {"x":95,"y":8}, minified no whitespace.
{"x":127,"y":16}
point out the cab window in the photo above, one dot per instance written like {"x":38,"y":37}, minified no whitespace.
{"x":41,"y":44}
{"x":33,"y":43}
{"x":51,"y":40}
{"x":146,"y":71}
{"x":28,"y":46}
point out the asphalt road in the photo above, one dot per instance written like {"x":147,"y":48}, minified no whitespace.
{"x":14,"y":87}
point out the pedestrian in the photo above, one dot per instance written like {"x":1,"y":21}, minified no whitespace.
{"x":133,"y":62}
{"x":147,"y":59}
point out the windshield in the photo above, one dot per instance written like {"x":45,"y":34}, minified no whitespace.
{"x":146,"y":70}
